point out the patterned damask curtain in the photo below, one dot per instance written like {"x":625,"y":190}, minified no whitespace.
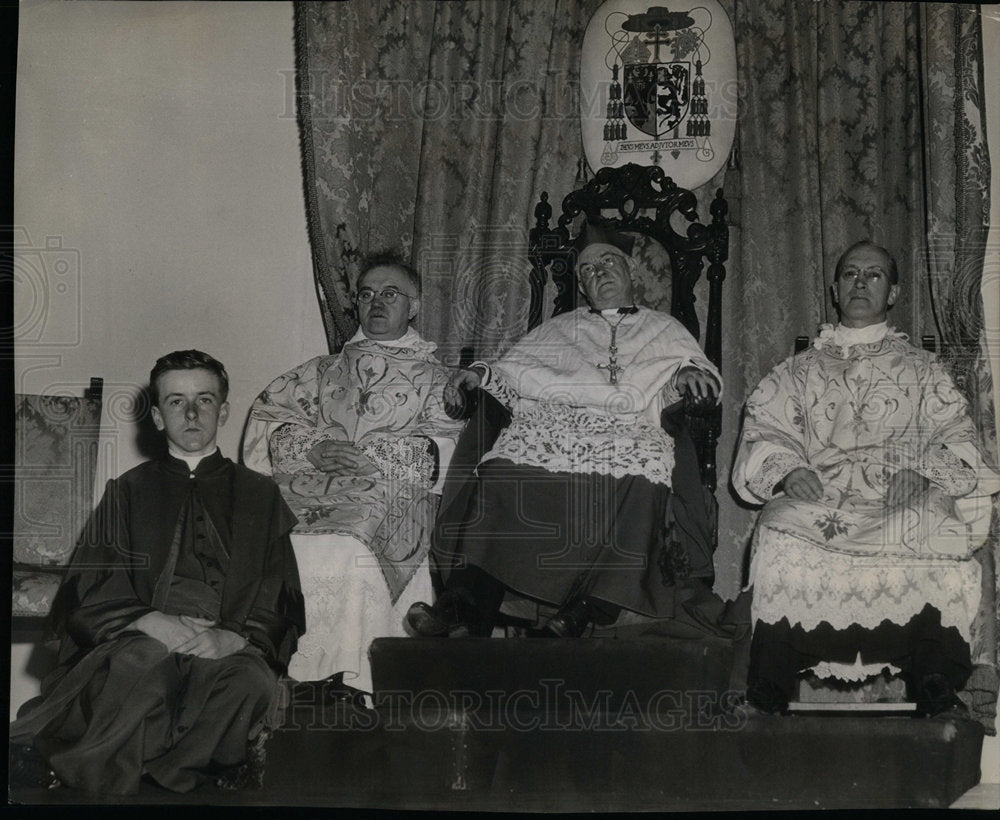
{"x":432,"y":128}
{"x":859,"y":120}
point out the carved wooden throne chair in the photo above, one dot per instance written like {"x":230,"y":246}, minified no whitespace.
{"x":673,"y":248}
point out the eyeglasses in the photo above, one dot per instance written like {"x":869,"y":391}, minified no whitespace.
{"x":387,"y":295}
{"x":866,"y":275}
{"x":588,"y":270}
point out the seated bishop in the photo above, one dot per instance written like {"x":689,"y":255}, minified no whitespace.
{"x":875,"y":495}
{"x":571,"y":505}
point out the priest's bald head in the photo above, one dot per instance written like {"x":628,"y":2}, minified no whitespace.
{"x":604,"y":266}
{"x":865,"y":284}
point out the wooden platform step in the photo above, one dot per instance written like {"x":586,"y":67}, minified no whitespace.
{"x":601,"y":726}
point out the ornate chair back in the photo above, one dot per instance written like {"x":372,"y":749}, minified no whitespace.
{"x":55,"y":462}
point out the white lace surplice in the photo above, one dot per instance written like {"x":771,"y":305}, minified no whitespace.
{"x":568,"y":417}
{"x":856,"y":420}
{"x":347,"y":606}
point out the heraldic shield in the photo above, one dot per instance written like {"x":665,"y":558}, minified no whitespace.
{"x":657,"y":96}
{"x":658,"y":86}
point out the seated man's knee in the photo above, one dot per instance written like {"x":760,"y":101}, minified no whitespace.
{"x":247,"y":673}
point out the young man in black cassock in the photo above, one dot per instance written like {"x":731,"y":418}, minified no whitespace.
{"x":181,"y":607}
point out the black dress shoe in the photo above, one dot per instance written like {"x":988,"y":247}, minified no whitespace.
{"x":569,"y":622}
{"x":331,"y":691}
{"x":764,"y":697}
{"x":451,"y":617}
{"x":29,"y":770}
{"x":936,"y":696}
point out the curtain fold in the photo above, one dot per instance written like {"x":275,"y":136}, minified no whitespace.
{"x":958,"y":196}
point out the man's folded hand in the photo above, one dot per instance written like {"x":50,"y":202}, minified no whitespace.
{"x":212,"y":644}
{"x":171,"y":630}
{"x":340,"y":458}
{"x":802,"y":484}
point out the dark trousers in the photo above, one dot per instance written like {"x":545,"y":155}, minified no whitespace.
{"x":921,"y":647}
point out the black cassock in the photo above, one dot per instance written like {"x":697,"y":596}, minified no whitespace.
{"x":553,"y":536}
{"x":211,"y":543}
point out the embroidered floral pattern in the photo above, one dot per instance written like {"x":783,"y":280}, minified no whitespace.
{"x":831,"y":526}
{"x":852,"y":557}
{"x":385,"y":399}
{"x":56,"y":445}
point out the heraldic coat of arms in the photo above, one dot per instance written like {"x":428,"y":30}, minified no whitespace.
{"x":659,"y":78}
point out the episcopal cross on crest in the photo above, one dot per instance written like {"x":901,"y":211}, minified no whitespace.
{"x":662,"y":91}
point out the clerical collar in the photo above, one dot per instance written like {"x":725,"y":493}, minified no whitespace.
{"x":191,"y":461}
{"x":409,"y":339}
{"x":621,"y":311}
{"x":846,"y":337}
{"x":869,"y":334}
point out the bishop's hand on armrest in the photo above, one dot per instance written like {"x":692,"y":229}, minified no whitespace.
{"x":461,"y":394}
{"x":699,"y":392}
{"x":699,"y":384}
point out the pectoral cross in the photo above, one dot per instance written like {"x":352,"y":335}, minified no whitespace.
{"x":612,"y":366}
{"x":613,"y":369}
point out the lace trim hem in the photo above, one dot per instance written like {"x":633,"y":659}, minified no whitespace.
{"x":572,"y":440}
{"x":774,"y":469}
{"x":289,"y":445}
{"x":795,"y":580}
{"x":853,"y":672}
{"x":411,"y":458}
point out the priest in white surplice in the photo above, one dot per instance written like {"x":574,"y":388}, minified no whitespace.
{"x":571,"y":504}
{"x":863,"y":452}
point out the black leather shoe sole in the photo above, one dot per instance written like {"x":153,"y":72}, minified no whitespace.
{"x":427,"y":621}
{"x":570,"y":622}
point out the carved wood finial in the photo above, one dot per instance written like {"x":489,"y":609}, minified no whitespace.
{"x":719,"y":207}
{"x":543,"y":212}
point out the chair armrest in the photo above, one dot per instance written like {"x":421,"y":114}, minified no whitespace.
{"x":674,"y":419}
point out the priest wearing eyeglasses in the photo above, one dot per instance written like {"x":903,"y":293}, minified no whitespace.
{"x":357,"y":442}
{"x":572,"y":505}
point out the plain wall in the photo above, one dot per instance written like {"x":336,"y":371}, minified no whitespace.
{"x":158,"y":183}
